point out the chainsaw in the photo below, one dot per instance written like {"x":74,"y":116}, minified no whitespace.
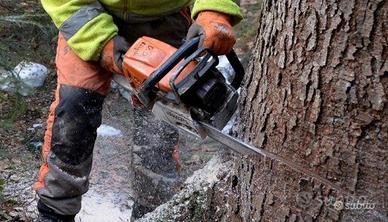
{"x":184,"y":88}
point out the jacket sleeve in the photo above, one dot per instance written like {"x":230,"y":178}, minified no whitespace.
{"x":225,"y":6}
{"x":84,"y":24}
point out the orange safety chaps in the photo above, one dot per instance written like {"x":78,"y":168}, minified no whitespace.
{"x":75,"y":115}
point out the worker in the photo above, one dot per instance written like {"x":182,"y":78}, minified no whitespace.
{"x":93,"y":37}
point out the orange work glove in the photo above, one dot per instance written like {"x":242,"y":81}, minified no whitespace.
{"x":113,"y":53}
{"x":215,"y":31}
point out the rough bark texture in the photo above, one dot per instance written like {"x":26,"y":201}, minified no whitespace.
{"x":316,"y":94}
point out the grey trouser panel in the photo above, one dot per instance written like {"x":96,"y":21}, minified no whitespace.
{"x":76,"y":115}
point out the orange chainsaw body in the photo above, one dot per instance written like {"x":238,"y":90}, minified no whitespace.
{"x":145,"y":56}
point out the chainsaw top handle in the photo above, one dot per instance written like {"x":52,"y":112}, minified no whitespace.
{"x":188,"y":48}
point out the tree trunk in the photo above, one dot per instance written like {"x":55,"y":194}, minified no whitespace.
{"x":317,"y":95}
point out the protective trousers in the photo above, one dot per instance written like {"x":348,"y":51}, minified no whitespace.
{"x":75,"y":114}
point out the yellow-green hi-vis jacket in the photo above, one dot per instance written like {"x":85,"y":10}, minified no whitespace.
{"x":87,"y":24}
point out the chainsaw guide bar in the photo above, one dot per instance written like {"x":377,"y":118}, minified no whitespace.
{"x":246,"y":149}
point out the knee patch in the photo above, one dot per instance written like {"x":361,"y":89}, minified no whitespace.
{"x":77,"y":118}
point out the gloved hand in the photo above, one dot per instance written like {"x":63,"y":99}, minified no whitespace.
{"x":215,"y":31}
{"x":113,"y":53}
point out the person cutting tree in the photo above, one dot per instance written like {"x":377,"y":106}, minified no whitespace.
{"x":93,"y":37}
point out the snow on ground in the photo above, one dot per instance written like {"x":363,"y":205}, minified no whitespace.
{"x":106,"y":130}
{"x":110,"y":197}
{"x":32,"y":74}
{"x":24,"y":78}
{"x":97,"y":207}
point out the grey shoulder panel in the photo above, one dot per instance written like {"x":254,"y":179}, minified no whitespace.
{"x":85,"y":14}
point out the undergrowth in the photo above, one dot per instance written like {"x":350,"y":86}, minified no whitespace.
{"x":26,"y":34}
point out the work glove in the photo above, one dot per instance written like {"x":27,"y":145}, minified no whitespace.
{"x":112,"y":55}
{"x":215,"y":32}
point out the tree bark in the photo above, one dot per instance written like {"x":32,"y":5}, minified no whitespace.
{"x":317,"y":95}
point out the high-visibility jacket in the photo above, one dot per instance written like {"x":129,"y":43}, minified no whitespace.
{"x":87,"y":25}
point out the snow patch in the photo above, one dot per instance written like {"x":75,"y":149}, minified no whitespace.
{"x":106,"y":130}
{"x":32,"y":74}
{"x":97,"y":207}
{"x":37,"y":125}
{"x":24,"y":78}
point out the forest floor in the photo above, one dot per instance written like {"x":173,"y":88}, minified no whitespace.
{"x":27,"y":34}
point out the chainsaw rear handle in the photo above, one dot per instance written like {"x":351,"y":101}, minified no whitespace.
{"x":188,"y":48}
